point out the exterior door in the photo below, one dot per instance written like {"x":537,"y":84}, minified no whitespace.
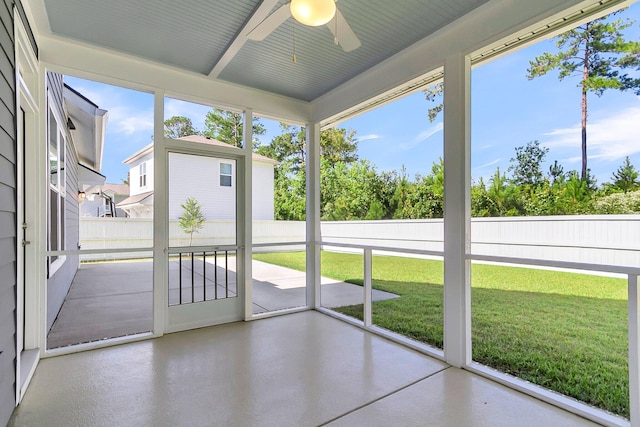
{"x":22,"y":235}
{"x":204,"y":251}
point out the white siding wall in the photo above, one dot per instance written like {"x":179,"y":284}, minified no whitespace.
{"x":598,"y":239}
{"x":604,"y":239}
{"x":262,"y":198}
{"x":199,"y":177}
{"x":91,"y":207}
{"x":594,"y":239}
{"x":134,"y":175}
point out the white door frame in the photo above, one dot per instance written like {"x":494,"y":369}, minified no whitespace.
{"x":189,"y":316}
{"x":28,"y":302}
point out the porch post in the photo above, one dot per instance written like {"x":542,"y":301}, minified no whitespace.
{"x":160,"y":215}
{"x":313,"y":215}
{"x":246,"y":222}
{"x":633,"y":281}
{"x":457,"y":210}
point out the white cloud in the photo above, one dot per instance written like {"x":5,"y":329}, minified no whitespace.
{"x":127,"y":120}
{"x":196,"y":112}
{"x":368,"y":137}
{"x":486,"y":165}
{"x":421,"y":137}
{"x":124,"y":116}
{"x":609,"y":138}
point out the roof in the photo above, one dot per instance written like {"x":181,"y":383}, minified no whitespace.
{"x":116,"y":188}
{"x":148,"y":149}
{"x":89,"y":123}
{"x":89,"y":180}
{"x":206,"y":140}
{"x":134,"y":199}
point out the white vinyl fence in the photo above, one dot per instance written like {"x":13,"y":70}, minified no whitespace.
{"x":593,"y":239}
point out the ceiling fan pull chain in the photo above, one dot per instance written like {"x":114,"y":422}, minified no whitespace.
{"x":335,"y":18}
{"x":293,"y":37}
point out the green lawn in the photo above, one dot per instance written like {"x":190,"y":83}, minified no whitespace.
{"x":564,"y":331}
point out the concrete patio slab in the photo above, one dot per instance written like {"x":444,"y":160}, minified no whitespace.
{"x":114,"y":299}
{"x":437,"y":401}
{"x":302,"y":369}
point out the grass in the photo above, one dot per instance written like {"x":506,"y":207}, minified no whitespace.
{"x":563,"y":331}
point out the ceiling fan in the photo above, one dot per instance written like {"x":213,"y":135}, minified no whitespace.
{"x":312,"y":13}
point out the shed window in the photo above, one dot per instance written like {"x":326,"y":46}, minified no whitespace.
{"x":143,"y":174}
{"x":225,"y":174}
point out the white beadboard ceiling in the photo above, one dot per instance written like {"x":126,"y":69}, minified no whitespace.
{"x":208,"y":37}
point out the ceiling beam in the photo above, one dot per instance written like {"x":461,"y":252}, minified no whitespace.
{"x":101,"y":64}
{"x":259,"y":15}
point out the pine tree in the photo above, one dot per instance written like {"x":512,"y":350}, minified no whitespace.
{"x":228,"y":127}
{"x":598,"y":53}
{"x":527,"y":164}
{"x":179,"y":126}
{"x":192,"y":219}
{"x":626,"y":177}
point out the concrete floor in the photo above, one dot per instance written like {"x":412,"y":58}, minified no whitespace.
{"x":108,"y":300}
{"x":303,"y":369}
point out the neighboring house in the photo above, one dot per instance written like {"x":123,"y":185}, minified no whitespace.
{"x":211,"y":181}
{"x":103,"y":200}
{"x":75,"y":135}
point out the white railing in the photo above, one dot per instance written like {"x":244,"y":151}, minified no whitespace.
{"x":633,"y":281}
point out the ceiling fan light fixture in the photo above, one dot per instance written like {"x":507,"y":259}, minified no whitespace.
{"x":313,"y":12}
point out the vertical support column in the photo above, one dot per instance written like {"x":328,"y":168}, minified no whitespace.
{"x":368,"y":267}
{"x":634,"y":350}
{"x":246,"y":222}
{"x":457,"y":210}
{"x":37,"y":157}
{"x":160,"y":218}
{"x":313,"y":215}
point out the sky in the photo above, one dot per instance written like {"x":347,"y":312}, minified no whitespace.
{"x":508,"y":111}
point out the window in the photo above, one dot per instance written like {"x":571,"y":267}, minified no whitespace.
{"x":225,"y":174}
{"x":57,"y":147}
{"x":143,"y":174}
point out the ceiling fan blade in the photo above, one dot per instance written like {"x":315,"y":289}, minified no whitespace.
{"x":345,"y":35}
{"x":271,"y":22}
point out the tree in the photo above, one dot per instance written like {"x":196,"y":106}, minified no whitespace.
{"x":432,"y":94}
{"x":376,"y":210}
{"x":192,"y":219}
{"x":290,"y":145}
{"x":556,"y":172}
{"x":527,"y":165}
{"x":126,"y":181}
{"x":348,"y":190}
{"x":626,"y":177}
{"x":577,"y":193}
{"x":228,"y":127}
{"x":503,"y":195}
{"x":597,"y":52}
{"x":336,"y":145}
{"x":289,"y":193}
{"x":400,"y":200}
{"x":179,"y":126}
{"x":481,"y":203}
